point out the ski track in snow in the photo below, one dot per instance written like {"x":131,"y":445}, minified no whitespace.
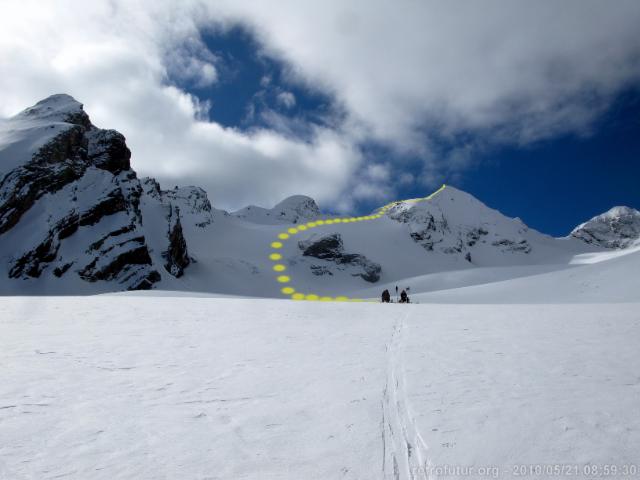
{"x":404,"y":451}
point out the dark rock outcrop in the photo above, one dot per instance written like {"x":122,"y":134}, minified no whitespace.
{"x":176,"y":255}
{"x":108,"y":150}
{"x":328,"y":247}
{"x":331,"y":249}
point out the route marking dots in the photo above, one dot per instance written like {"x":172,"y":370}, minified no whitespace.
{"x":277,"y":257}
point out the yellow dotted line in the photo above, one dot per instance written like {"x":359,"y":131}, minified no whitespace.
{"x":276,"y":257}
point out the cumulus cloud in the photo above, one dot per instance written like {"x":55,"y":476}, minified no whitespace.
{"x":408,"y":75}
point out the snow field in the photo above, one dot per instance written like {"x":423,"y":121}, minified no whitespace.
{"x":143,"y":387}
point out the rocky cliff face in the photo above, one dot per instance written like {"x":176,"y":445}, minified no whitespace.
{"x":70,"y":202}
{"x":617,"y":228}
{"x":329,"y":249}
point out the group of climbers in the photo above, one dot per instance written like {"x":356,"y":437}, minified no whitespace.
{"x":404,"y":298}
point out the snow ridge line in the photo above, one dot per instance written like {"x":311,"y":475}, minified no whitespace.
{"x":404,"y":451}
{"x":276,"y":257}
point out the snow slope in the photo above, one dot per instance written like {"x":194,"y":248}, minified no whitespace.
{"x":613,"y":279}
{"x":121,"y":387}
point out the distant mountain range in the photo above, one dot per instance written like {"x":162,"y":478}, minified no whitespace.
{"x":75,"y":218}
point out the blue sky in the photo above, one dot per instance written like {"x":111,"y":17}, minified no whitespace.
{"x":250,"y":84}
{"x":552,"y":184}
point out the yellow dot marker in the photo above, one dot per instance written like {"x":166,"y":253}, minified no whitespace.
{"x":276,"y":244}
{"x":320,"y":222}
{"x":283,"y":279}
{"x":342,"y":299}
{"x":279,"y":267}
{"x":326,"y":299}
{"x":275,"y":256}
{"x":311,"y":224}
{"x":302,"y":228}
{"x":328,"y":222}
{"x":298,"y":296}
{"x":312,"y":297}
{"x":288,"y":290}
{"x":283,"y":236}
{"x":293,"y":231}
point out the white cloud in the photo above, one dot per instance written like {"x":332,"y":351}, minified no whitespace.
{"x":404,"y":73}
{"x":518,"y":69}
{"x":286,"y":99}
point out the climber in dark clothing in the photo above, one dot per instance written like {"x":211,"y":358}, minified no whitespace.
{"x":386,"y":296}
{"x":403,"y":297}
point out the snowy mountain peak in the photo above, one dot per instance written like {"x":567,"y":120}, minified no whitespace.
{"x":56,"y":108}
{"x":616,"y":228}
{"x":457,"y":224}
{"x":73,"y":211}
{"x":294,"y":209}
{"x":297,"y":207}
{"x":620,"y":211}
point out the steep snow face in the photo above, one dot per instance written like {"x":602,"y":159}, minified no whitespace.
{"x":294,"y":209}
{"x":457,"y":224}
{"x":56,"y":108}
{"x":22,"y":136}
{"x":70,"y":217}
{"x":617,"y":228}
